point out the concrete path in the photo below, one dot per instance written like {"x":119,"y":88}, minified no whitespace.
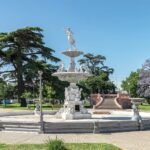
{"x":127,"y":141}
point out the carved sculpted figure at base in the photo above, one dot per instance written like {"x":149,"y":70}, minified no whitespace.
{"x":61,"y":68}
{"x":72,"y":93}
{"x":136,"y":102}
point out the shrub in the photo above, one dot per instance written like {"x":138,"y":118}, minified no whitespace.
{"x":148,"y":100}
{"x":56,"y":144}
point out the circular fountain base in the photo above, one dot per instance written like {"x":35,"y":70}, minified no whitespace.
{"x":114,"y":121}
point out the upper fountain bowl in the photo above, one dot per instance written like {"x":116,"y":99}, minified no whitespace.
{"x":72,"y":53}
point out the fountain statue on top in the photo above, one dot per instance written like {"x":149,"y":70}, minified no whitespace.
{"x":73,"y":107}
{"x":70,"y":38}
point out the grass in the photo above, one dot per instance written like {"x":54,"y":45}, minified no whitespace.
{"x":48,"y":106}
{"x":45,"y":106}
{"x":145,"y":107}
{"x":70,"y":146}
{"x":91,"y":146}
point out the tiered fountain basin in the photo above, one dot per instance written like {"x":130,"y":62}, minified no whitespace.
{"x":72,"y":53}
{"x":72,"y":77}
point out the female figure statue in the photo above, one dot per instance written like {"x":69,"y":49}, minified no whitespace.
{"x":70,"y":37}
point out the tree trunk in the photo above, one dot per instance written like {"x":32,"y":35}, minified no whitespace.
{"x":20,"y":83}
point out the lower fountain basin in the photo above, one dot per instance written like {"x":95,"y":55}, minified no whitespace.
{"x":116,"y":121}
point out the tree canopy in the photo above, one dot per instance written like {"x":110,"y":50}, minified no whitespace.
{"x":6,"y":90}
{"x":144,"y":81}
{"x":130,"y":84}
{"x":22,"y":54}
{"x":99,"y":82}
{"x":95,"y":64}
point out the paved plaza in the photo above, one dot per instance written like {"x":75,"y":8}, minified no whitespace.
{"x":126,"y":140}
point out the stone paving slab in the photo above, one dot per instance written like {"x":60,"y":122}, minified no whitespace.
{"x":139,"y":140}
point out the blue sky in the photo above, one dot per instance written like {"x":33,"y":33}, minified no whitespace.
{"x":117,"y":29}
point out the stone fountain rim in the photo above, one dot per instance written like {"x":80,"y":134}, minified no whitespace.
{"x":74,"y":73}
{"x":72,"y":53}
{"x":70,"y":50}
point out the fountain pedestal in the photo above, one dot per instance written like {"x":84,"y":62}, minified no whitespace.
{"x":74,"y":110}
{"x":73,"y":107}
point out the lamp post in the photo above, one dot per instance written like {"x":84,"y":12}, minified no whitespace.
{"x":129,"y":89}
{"x":33,"y":83}
{"x":40,"y":102}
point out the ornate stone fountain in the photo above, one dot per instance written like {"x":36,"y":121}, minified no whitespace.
{"x":73,"y":107}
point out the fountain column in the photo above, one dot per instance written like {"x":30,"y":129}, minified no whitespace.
{"x":72,"y":65}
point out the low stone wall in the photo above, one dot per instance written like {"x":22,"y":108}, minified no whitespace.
{"x":68,"y":127}
{"x":124,"y":101}
{"x":95,"y":98}
{"x":146,"y":124}
{"x":20,"y":126}
{"x":96,"y":127}
{"x":118,"y":126}
{"x":78,"y":126}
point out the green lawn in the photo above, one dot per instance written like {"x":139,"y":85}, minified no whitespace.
{"x":46,"y":106}
{"x":145,"y":107}
{"x":70,"y":146}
